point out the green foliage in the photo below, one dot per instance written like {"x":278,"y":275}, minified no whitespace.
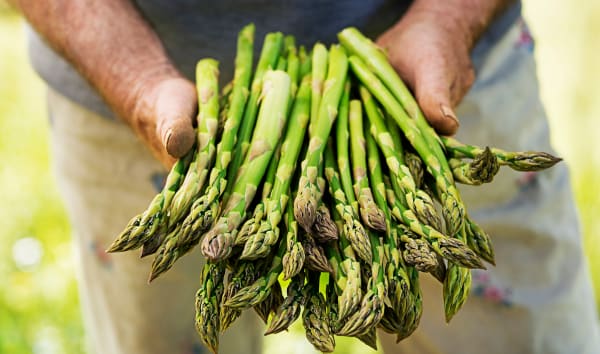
{"x":39,"y":309}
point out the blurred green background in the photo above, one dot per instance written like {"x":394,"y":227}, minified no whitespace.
{"x":39,"y":309}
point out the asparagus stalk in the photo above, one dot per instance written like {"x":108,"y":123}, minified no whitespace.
{"x":481,"y":169}
{"x":244,"y":275}
{"x":306,"y":202}
{"x":314,"y":317}
{"x":207,"y":74}
{"x":479,"y":241}
{"x":342,"y":137}
{"x":204,"y":210}
{"x":290,"y":309}
{"x":153,"y":244}
{"x":176,"y":244}
{"x":319,"y":74}
{"x":456,"y":285}
{"x":142,"y":227}
{"x":270,"y":304}
{"x":412,"y":316}
{"x":260,"y":289}
{"x":316,"y":259}
{"x":271,"y":50}
{"x":370,"y":213}
{"x":419,"y":254}
{"x":415,"y":166}
{"x":272,"y":117}
{"x":293,"y":259}
{"x":207,"y":305}
{"x":281,"y":63}
{"x":398,"y":284}
{"x":305,"y":62}
{"x":352,"y":229}
{"x":417,"y":201}
{"x":267,"y":229}
{"x":453,"y":208}
{"x":450,"y":248}
{"x":423,"y":201}
{"x":293,"y":64}
{"x":376,"y":60}
{"x":324,"y":229}
{"x":331,"y":293}
{"x":347,"y":275}
{"x":518,"y":161}
{"x":344,"y":276}
{"x":372,"y":305}
{"x":250,"y":227}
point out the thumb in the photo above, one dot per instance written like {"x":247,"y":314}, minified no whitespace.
{"x":175,"y":108}
{"x":433,"y":92}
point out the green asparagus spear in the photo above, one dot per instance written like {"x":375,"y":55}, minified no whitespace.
{"x":270,"y":304}
{"x":207,"y":74}
{"x":143,"y":226}
{"x":204,"y":210}
{"x":272,"y":118}
{"x":261,"y":288}
{"x":315,"y":259}
{"x":314,"y":317}
{"x":518,"y":161}
{"x":244,"y":275}
{"x":271,"y":50}
{"x":352,"y":229}
{"x":481,"y":169}
{"x":267,"y":232}
{"x":417,"y":201}
{"x":452,"y":206}
{"x":370,"y":213}
{"x":293,"y":259}
{"x":306,"y":202}
{"x":450,"y":248}
{"x":207,"y":305}
{"x":290,"y":309}
{"x":250,"y":226}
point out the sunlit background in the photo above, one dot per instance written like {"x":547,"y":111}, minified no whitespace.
{"x":39,"y":309}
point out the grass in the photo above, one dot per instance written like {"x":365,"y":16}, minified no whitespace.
{"x":39,"y":310}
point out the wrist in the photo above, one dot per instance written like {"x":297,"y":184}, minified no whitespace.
{"x":464,"y":20}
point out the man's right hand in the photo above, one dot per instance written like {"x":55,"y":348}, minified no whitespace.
{"x":113,"y":47}
{"x":162,"y":117}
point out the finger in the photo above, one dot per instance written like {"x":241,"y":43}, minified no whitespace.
{"x":433,"y":90}
{"x":175,"y":108}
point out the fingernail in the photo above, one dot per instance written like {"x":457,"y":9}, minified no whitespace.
{"x":167,"y":138}
{"x":449,"y":113}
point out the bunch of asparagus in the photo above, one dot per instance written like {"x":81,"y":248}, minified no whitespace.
{"x":347,"y":231}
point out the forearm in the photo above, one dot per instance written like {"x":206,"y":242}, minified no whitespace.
{"x":466,"y":18}
{"x":113,"y":47}
{"x":107,"y":41}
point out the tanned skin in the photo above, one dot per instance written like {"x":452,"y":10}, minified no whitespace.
{"x":112,"y":46}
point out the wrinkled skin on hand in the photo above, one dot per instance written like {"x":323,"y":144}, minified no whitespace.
{"x":163,"y":117}
{"x":429,"y":47}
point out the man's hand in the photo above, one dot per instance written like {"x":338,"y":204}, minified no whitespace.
{"x":430,"y":48}
{"x":114,"y":48}
{"x":162,"y":117}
